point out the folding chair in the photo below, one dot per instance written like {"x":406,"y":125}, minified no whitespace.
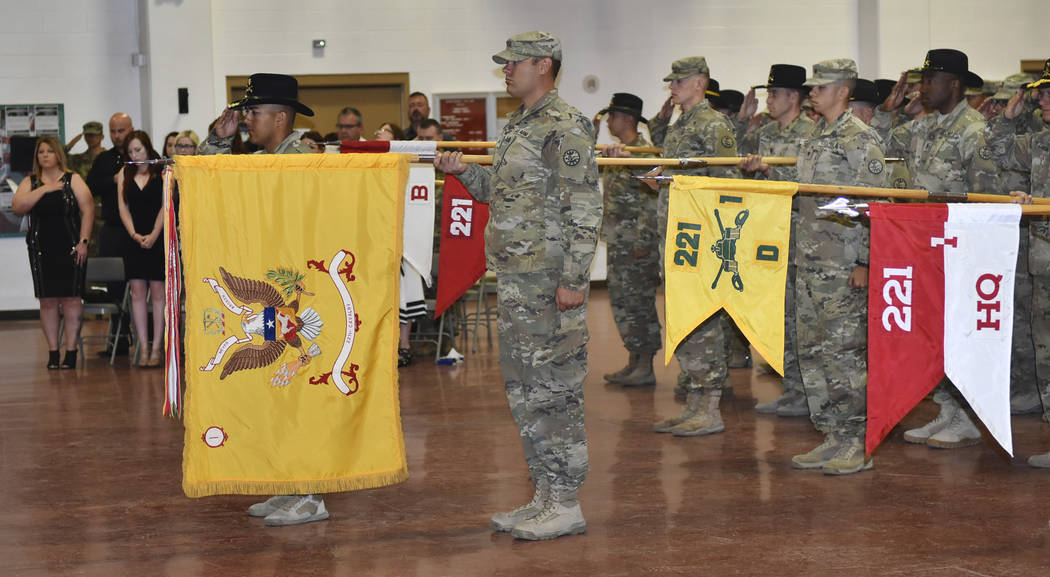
{"x":103,"y":270}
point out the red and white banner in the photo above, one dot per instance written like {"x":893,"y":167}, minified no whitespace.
{"x":461,"y":255}
{"x":940,"y":302}
{"x":425,"y":147}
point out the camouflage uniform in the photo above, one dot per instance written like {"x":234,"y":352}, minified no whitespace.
{"x":81,"y":163}
{"x":773,"y":140}
{"x":831,"y":316}
{"x":545,"y":210}
{"x":946,"y":153}
{"x":1031,"y":152}
{"x":290,"y":145}
{"x":699,"y":131}
{"x":629,"y":224}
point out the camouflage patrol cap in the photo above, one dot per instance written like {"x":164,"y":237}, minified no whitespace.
{"x":913,"y":76}
{"x":686,"y":67}
{"x":1011,"y":85}
{"x":535,"y":44}
{"x":93,"y":127}
{"x":1042,"y":79}
{"x":834,"y":70}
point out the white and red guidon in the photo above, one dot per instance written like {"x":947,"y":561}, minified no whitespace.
{"x":940,"y":302}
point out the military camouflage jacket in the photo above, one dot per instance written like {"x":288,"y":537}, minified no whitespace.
{"x":946,"y":153}
{"x":771,"y":139}
{"x":630,"y":205}
{"x":290,"y":145}
{"x":846,"y":152}
{"x":544,"y":204}
{"x":1026,"y":152}
{"x":699,"y":131}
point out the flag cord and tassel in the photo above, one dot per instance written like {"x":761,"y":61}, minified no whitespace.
{"x":172,"y":302}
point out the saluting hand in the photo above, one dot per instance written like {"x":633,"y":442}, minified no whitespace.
{"x":1015,"y":106}
{"x":749,"y":107}
{"x":666,"y":109}
{"x":896,"y":97}
{"x":227,"y":123}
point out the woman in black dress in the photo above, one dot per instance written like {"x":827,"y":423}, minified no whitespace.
{"x":141,"y":195}
{"x":61,"y":212}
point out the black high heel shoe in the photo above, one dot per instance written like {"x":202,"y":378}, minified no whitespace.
{"x":52,"y":360}
{"x":70,"y":361}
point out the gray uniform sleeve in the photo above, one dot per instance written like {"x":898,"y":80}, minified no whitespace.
{"x":478,"y":181}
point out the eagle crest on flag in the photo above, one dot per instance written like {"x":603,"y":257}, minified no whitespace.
{"x":280,"y":323}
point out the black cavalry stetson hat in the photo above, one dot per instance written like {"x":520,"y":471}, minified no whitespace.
{"x":626,"y":103}
{"x":951,"y":61}
{"x":865,"y":91}
{"x":266,"y":88}
{"x":785,"y":76}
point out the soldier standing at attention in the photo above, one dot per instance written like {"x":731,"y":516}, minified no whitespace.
{"x":629,"y":229}
{"x":545,"y":210}
{"x":783,"y":136}
{"x":1028,"y":151}
{"x":269,"y":106}
{"x":699,"y":131}
{"x":946,"y":152}
{"x":832,"y":275}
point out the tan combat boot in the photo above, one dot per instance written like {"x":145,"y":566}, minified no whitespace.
{"x":922,"y":434}
{"x":642,"y":375}
{"x":819,"y":456}
{"x":504,"y":522}
{"x":707,"y":420}
{"x":692,"y":406}
{"x":849,"y":459}
{"x":562,"y":516}
{"x":632,"y":360}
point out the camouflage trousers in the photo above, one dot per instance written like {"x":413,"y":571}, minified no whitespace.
{"x":704,"y":355}
{"x":1022,"y":359}
{"x":832,"y":349}
{"x":1040,"y":319}
{"x":632,"y":294}
{"x":792,"y":380}
{"x":543,"y":356}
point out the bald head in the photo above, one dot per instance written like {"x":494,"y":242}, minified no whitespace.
{"x":119,"y":128}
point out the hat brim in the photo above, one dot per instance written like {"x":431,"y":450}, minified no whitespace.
{"x":505,"y":56}
{"x":1038,"y":83}
{"x":810,"y":82}
{"x":299,"y":107}
{"x":624,"y":110}
{"x":679,"y":76}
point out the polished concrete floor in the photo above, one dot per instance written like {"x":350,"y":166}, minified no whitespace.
{"x":90,"y":474}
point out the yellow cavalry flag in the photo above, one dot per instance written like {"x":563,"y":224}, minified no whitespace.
{"x":727,"y":247}
{"x":291,"y":273}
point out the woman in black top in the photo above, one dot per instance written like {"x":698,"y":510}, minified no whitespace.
{"x":141,"y":203}
{"x":61,"y":212}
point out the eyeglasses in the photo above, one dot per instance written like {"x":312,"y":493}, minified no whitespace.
{"x":347,"y":126}
{"x":184,"y":147}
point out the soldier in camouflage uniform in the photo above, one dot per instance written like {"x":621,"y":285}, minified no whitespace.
{"x":783,"y":137}
{"x":545,"y":210}
{"x":81,"y":163}
{"x":1031,"y":152}
{"x":699,"y":131}
{"x":832,"y":260}
{"x":270,"y":104}
{"x":946,"y":152}
{"x":1024,"y":389}
{"x":633,"y":239}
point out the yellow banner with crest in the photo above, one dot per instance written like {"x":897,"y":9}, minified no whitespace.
{"x":290,"y":267}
